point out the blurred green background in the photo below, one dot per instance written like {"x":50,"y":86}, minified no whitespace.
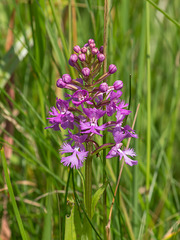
{"x":37,"y":38}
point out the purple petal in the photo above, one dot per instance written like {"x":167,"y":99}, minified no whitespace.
{"x":66,"y":148}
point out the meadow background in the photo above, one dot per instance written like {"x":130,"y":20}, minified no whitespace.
{"x":37,"y":38}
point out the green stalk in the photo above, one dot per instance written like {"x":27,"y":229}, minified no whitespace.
{"x":106,"y":9}
{"x":88,"y":189}
{"x":141,"y":67}
{"x":148,"y":109}
{"x":12,"y":197}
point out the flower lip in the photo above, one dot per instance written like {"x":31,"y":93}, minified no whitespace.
{"x":80,"y":96}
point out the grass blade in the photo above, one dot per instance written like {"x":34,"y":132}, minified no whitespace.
{"x":12,"y":197}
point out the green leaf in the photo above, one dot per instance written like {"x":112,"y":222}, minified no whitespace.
{"x":70,"y":232}
{"x":48,"y":221}
{"x":96,"y":198}
{"x":12,"y":197}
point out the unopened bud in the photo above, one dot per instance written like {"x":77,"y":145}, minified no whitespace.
{"x":77,"y":49}
{"x":100,"y":57}
{"x":60,"y":83}
{"x":66,"y":78}
{"x":86,"y":71}
{"x":112,"y":69}
{"x":118,"y":85}
{"x":103,"y":87}
{"x":82,"y":57}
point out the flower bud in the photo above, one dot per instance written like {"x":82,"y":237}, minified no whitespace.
{"x":66,"y":78}
{"x":82,"y":57}
{"x":77,"y":49}
{"x":86,"y":71}
{"x":73,"y":58}
{"x":90,"y":41}
{"x":101,"y":49}
{"x":92,"y":45}
{"x":100,"y":57}
{"x":71,"y":63}
{"x":103,"y":87}
{"x":118,"y":85}
{"x":94,"y":51}
{"x":80,"y":80}
{"x":83,"y":49}
{"x":60,"y":83}
{"x":112,"y":69}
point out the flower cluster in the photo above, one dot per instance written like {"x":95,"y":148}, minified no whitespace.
{"x":91,"y":99}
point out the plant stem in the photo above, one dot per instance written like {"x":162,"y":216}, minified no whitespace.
{"x":148,"y":109}
{"x":88,"y":189}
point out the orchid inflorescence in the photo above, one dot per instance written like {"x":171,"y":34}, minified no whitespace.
{"x":91,"y":100}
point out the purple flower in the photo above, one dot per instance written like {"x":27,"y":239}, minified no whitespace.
{"x":114,"y":100}
{"x":55,"y":120}
{"x":81,"y":96}
{"x":119,"y":134}
{"x":116,"y":151}
{"x":65,"y":117}
{"x":76,"y":159}
{"x":77,"y":138}
{"x":75,"y":112}
{"x":92,"y":127}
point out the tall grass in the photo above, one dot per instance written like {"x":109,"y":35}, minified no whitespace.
{"x":147,"y":204}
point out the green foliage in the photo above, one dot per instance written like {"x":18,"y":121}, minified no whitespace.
{"x":39,"y":186}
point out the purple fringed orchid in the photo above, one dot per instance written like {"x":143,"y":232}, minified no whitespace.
{"x":116,"y":151}
{"x":119,"y":134}
{"x":78,"y":151}
{"x":78,"y":155}
{"x":91,"y":126}
{"x":81,"y":96}
{"x":91,"y":99}
{"x":63,"y":117}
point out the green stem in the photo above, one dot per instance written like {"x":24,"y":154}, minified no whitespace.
{"x":88,"y":189}
{"x":148,"y":109}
